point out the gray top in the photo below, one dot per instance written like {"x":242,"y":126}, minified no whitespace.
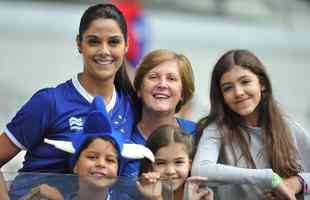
{"x":239,"y":182}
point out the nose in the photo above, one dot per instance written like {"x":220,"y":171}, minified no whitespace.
{"x":104,"y":49}
{"x":239,"y":91}
{"x":100,"y":162}
{"x":162,"y":83}
{"x":170,"y":170}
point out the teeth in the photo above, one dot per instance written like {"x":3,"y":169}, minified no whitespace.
{"x":161,"y":96}
{"x":103,"y":61}
{"x":97,"y":174}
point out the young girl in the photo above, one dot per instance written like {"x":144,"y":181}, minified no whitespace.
{"x":246,"y":142}
{"x":173,"y":150}
{"x":97,"y":156}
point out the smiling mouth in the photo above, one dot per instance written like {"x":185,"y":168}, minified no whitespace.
{"x":98,"y":174}
{"x":160,"y":96}
{"x":241,"y":101}
{"x":103,"y":61}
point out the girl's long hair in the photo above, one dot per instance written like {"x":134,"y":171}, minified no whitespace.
{"x":276,"y":135}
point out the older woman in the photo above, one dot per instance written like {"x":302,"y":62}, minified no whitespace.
{"x":164,"y":82}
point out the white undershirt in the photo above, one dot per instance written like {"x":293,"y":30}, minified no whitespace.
{"x":89,"y":97}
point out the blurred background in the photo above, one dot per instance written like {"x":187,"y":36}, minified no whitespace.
{"x":37,"y":45}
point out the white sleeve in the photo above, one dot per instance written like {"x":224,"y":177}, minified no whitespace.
{"x":205,"y":164}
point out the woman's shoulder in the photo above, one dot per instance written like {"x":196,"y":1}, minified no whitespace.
{"x":187,"y":125}
{"x":295,"y":127}
{"x":62,"y":87}
{"x":211,"y":126}
{"x":211,"y":131}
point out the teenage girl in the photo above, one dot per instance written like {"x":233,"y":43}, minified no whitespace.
{"x":248,"y":147}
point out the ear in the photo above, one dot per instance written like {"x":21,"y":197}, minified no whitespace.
{"x":182,"y":98}
{"x":139,"y":94}
{"x":126,"y":49}
{"x":263,"y":88}
{"x":190,"y":162}
{"x":78,"y":43}
{"x":75,"y":169}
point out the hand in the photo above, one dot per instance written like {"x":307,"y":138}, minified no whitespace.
{"x":150,"y":186}
{"x":3,"y":188}
{"x":45,"y":191}
{"x":197,"y":188}
{"x":281,"y":192}
{"x":293,"y":183}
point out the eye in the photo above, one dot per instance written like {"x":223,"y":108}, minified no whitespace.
{"x":152,"y":76}
{"x":179,"y":162}
{"x":92,"y":157}
{"x":159,"y":163}
{"x":227,"y":88}
{"x":172,"y":78}
{"x":246,"y":81}
{"x":111,"y":159}
{"x":114,"y":42}
{"x":93,"y":41}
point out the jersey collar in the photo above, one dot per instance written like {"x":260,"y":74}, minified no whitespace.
{"x":89,"y":97}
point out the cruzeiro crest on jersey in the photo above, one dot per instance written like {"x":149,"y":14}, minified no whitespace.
{"x":76,"y":124}
{"x":119,"y":123}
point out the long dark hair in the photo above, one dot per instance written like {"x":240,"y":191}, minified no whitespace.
{"x":276,"y":135}
{"x":109,"y":11}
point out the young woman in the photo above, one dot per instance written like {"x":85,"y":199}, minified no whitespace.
{"x":248,"y":147}
{"x":164,"y":82}
{"x":173,"y":150}
{"x":58,"y":112}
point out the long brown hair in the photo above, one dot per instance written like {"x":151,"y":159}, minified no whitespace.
{"x":276,"y":135}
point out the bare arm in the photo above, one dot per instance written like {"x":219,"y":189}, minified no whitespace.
{"x":7,"y":151}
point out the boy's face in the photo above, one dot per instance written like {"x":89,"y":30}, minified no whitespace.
{"x":98,"y":163}
{"x":172,"y":162}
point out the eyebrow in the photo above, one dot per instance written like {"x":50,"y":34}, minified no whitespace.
{"x":96,"y":36}
{"x":96,"y":152}
{"x":162,"y":159}
{"x":240,"y":78}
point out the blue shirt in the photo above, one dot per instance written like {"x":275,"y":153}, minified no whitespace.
{"x":57,"y":113}
{"x":131,"y":167}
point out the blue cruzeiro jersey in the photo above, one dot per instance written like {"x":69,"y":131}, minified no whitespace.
{"x":57,"y":113}
{"x":131,"y":167}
